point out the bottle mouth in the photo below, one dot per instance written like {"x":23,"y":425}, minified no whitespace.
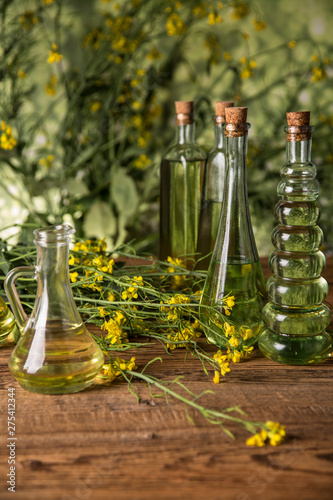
{"x":236,"y":129}
{"x":58,"y":233}
{"x":298,"y":132}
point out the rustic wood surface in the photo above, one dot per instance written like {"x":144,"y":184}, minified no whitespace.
{"x":102,"y":444}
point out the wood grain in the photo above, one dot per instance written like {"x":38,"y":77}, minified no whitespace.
{"x":102,"y":444}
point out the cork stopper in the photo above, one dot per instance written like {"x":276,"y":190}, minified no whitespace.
{"x":184,"y":111}
{"x":236,"y":125}
{"x":220,"y":110}
{"x":298,"y":126}
{"x":298,"y":118}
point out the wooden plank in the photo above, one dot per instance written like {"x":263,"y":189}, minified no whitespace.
{"x":101,"y":443}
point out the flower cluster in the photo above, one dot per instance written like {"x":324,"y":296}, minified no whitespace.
{"x":176,"y":266}
{"x":174,"y":312}
{"x":273,"y":433}
{"x":223,"y":362}
{"x":247,"y":67}
{"x":54,"y":55}
{"x":187,"y":332}
{"x":51,"y":86}
{"x":91,"y":255}
{"x":7,"y":141}
{"x":131,"y":291}
{"x":115,"y":335}
{"x":117,"y":366}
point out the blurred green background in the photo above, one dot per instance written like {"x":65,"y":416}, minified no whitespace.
{"x":86,"y":102}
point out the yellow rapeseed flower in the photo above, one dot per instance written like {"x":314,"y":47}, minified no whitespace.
{"x":154,"y":54}
{"x":51,"y":86}
{"x":115,"y":367}
{"x":142,"y":142}
{"x":176,"y":281}
{"x":216,"y":378}
{"x":234,"y":341}
{"x":292,"y":44}
{"x":142,"y":162}
{"x":93,"y":39}
{"x":246,"y":73}
{"x":116,"y":335}
{"x":95,"y":106}
{"x":228,"y":329}
{"x":73,"y":276}
{"x":259,"y":25}
{"x":214,"y":18}
{"x":28,"y":19}
{"x":174,"y":25}
{"x":318,"y":74}
{"x":54,"y":55}
{"x":235,"y":356}
{"x":200,"y":10}
{"x":255,"y":440}
{"x":274,"y":433}
{"x":7,"y":141}
{"x":111,"y":297}
{"x":21,"y":74}
{"x":184,"y":335}
{"x":223,"y":362}
{"x":47,"y":161}
{"x":131,"y":292}
{"x":241,"y":9}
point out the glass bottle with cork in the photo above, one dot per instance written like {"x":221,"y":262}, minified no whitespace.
{"x":55,"y":354}
{"x":182,"y":172}
{"x":295,"y":315}
{"x":235,"y":287}
{"x":212,"y":196}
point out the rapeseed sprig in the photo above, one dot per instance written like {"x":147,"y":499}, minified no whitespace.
{"x":151,"y":312}
{"x":272,"y":433}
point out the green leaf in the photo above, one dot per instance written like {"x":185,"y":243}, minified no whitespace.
{"x":4,"y":265}
{"x":100,"y":220}
{"x":75,"y":187}
{"x":124,"y":193}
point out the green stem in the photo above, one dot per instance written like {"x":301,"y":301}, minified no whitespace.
{"x":204,"y":411}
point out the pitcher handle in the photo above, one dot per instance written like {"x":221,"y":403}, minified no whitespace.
{"x":11,"y":292}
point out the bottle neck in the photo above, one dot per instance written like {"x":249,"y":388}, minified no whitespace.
{"x":299,"y":151}
{"x":185,"y":134}
{"x":235,"y":229}
{"x":219,"y":135}
{"x":236,"y":152}
{"x":52,"y":263}
{"x":54,"y":301}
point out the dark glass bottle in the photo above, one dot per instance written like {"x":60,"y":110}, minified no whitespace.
{"x":235,"y":286}
{"x":214,"y":181}
{"x":295,"y":316}
{"x":181,"y":182}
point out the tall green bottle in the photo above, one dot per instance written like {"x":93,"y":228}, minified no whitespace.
{"x":235,"y":288}
{"x":181,"y":182}
{"x":212,"y":196}
{"x":295,"y":316}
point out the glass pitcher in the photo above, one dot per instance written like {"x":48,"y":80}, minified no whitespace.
{"x":55,"y":354}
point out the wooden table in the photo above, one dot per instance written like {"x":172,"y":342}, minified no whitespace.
{"x":102,"y":444}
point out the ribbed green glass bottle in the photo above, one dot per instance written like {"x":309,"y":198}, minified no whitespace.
{"x":295,"y":316}
{"x":212,"y":196}
{"x":235,"y":288}
{"x":182,"y":172}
